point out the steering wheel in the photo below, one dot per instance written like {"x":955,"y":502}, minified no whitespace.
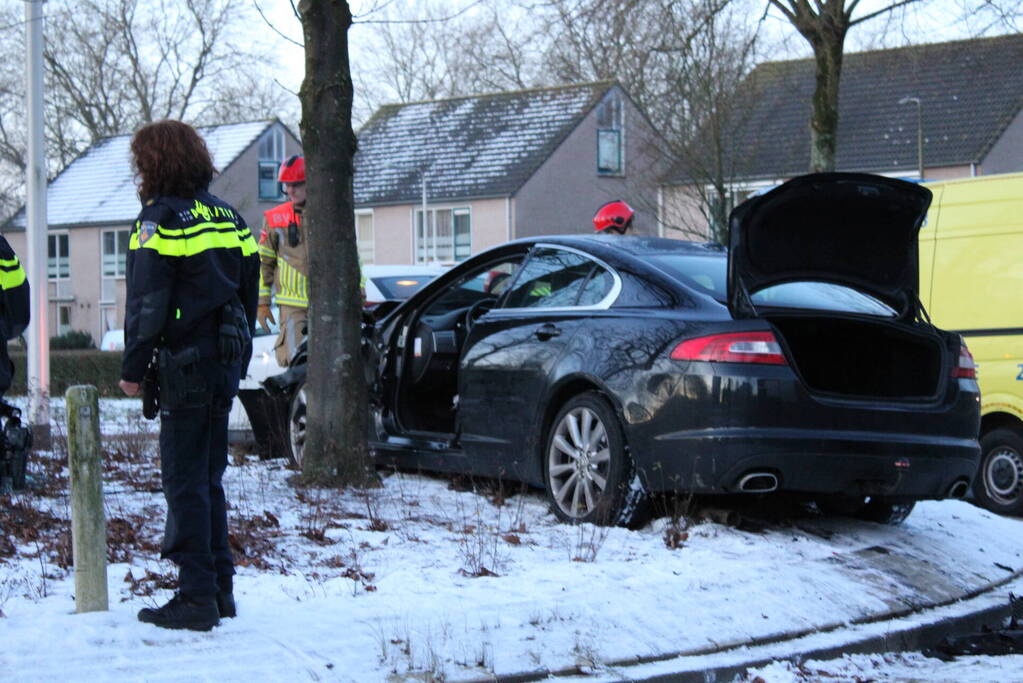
{"x":477,"y":310}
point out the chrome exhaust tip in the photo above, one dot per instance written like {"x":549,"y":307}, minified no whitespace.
{"x":959,"y":489}
{"x":758,"y":482}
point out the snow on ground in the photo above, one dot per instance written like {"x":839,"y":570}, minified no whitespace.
{"x":426,"y":579}
{"x":906,"y":666}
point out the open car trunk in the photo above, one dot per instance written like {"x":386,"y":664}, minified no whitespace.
{"x":857,"y":358}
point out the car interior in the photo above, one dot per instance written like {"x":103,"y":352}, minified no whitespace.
{"x":428,"y":361}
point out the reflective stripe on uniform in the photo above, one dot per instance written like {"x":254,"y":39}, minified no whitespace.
{"x":11,"y":273}
{"x":196,"y":239}
{"x":292,"y":285}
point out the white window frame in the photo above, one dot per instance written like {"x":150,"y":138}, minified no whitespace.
{"x":64,"y":329}
{"x":61,"y":284}
{"x":118,"y":273}
{"x":360,"y":239}
{"x":429,"y":241}
{"x":611,"y":120}
{"x":273,"y":161}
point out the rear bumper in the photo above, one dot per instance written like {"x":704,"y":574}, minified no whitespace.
{"x":816,"y":461}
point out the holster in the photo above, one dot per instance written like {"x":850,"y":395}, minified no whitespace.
{"x":151,"y":389}
{"x":181,"y":383}
{"x":14,"y":450}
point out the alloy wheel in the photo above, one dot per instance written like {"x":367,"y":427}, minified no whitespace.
{"x":578,"y":462}
{"x":296,"y":425}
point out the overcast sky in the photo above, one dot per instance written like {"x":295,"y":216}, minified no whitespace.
{"x":929,"y":22}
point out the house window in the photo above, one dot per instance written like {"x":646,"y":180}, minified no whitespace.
{"x":610,"y":133}
{"x":446,"y":236}
{"x":63,"y":319}
{"x":58,"y":265}
{"x":114,"y":263}
{"x":364,"y":233}
{"x":271,"y":154}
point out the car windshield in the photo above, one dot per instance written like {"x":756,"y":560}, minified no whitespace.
{"x":401,"y":286}
{"x":708,"y":274}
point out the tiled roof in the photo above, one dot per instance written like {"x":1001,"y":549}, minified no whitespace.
{"x":99,"y":186}
{"x":481,"y":146}
{"x":970,"y":90}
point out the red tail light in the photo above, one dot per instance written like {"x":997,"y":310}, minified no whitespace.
{"x":965,"y":368}
{"x":736,"y":347}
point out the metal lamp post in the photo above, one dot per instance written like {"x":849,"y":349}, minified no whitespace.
{"x":919,"y":132}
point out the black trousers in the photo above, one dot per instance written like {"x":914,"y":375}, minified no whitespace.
{"x":193,"y":457}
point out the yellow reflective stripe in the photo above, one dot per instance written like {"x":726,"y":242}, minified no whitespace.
{"x":192,"y":245}
{"x":292,"y":287}
{"x":177,"y":232}
{"x":11,"y":273}
{"x":292,"y":301}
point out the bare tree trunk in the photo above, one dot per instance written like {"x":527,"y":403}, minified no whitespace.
{"x":824,"y":118}
{"x":335,"y":450}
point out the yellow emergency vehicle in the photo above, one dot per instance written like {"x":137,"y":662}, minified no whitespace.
{"x":971,"y":281}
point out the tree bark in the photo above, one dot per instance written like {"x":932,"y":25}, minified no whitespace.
{"x":335,"y":451}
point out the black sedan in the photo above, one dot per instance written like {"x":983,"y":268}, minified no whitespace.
{"x":604,"y":368}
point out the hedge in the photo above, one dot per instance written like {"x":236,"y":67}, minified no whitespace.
{"x":102,"y":369}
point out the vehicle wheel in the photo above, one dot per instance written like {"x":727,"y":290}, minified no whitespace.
{"x":589,"y":473}
{"x":296,"y":425}
{"x":999,"y":485}
{"x":880,"y":509}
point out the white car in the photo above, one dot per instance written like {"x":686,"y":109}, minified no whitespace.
{"x":254,"y":417}
{"x":113,"y":340}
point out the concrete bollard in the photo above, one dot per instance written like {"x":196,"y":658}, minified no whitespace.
{"x":88,"y":520}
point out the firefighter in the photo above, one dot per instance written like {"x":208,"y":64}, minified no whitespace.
{"x":192,"y":286}
{"x":284,"y":262}
{"x":614,"y":218}
{"x":14,"y":307}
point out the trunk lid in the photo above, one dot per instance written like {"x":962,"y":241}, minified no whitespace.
{"x":851,"y":229}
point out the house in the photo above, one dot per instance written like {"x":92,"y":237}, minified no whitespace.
{"x":92,"y":205}
{"x":486,"y":169}
{"x":968,"y":95}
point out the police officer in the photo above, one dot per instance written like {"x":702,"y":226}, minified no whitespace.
{"x":192,"y":285}
{"x":14,"y":308}
{"x":614,"y":217}
{"x":284,"y":262}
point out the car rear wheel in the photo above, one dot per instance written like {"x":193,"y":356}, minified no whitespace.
{"x":999,"y":485}
{"x":589,"y":473}
{"x":880,"y":509}
{"x":296,"y":425}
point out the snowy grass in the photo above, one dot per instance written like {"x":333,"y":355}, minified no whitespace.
{"x":431,"y":578}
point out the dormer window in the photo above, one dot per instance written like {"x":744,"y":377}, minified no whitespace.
{"x":610,"y":136}
{"x":271,"y":154}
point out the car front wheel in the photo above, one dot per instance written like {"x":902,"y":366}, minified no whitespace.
{"x":999,"y":485}
{"x":589,"y":473}
{"x":296,"y":425}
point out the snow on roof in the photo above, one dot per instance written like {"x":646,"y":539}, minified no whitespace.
{"x":99,"y":186}
{"x":480,"y":146}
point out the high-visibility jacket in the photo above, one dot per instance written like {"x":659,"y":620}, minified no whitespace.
{"x":14,"y":307}
{"x":284,"y":257}
{"x":186,"y":259}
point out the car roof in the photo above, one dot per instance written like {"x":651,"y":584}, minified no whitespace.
{"x":636,"y":245}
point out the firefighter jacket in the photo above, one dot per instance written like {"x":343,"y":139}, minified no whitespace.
{"x":186,"y":259}
{"x":14,"y":307}
{"x":284,"y":257}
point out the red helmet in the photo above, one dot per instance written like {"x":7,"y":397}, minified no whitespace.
{"x":616,"y":215}
{"x":292,"y":170}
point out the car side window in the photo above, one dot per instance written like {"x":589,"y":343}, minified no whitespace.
{"x":596,"y":288}
{"x":551,"y":278}
{"x":487,"y":282}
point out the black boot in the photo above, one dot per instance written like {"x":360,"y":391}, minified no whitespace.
{"x":182,"y":612}
{"x":225,"y":605}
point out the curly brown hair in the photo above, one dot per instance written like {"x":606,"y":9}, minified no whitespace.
{"x":170,"y":158}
